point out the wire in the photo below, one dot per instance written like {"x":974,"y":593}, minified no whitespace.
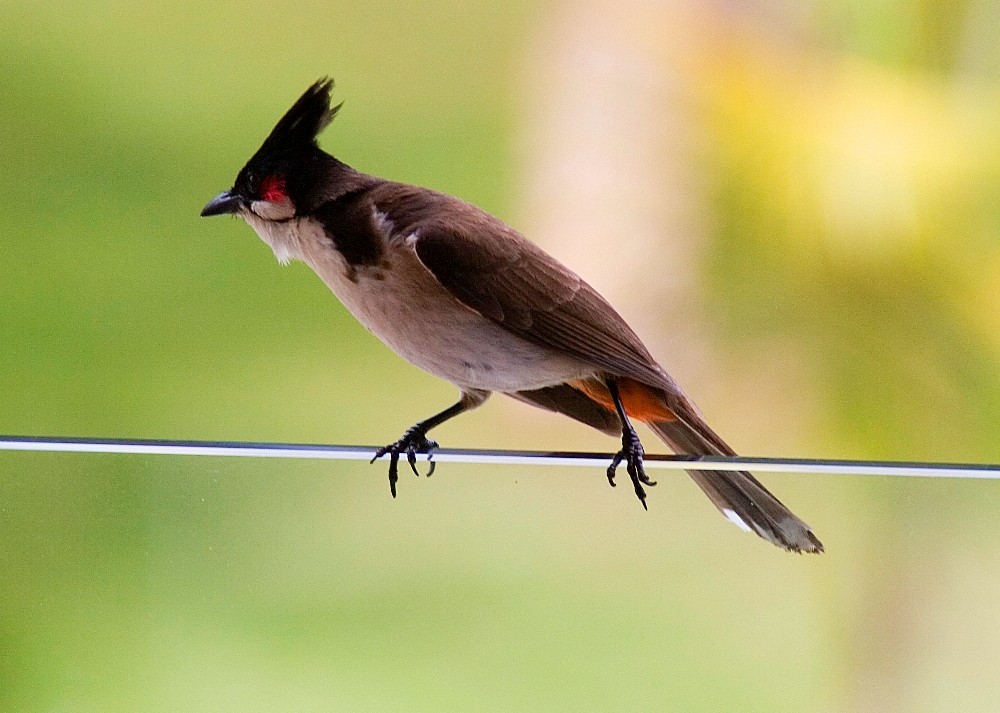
{"x":498,"y":457}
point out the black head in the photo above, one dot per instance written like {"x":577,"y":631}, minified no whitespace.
{"x":289,"y":167}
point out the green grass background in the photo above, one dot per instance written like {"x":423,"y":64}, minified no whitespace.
{"x":177,"y":584}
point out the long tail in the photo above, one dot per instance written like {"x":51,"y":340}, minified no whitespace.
{"x":672,"y":417}
{"x":737,"y":494}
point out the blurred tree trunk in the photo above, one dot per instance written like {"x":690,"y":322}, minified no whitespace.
{"x":617,"y":184}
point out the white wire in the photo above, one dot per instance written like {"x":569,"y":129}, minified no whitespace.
{"x":446,"y":455}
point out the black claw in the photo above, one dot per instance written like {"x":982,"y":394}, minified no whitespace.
{"x":619,"y":456}
{"x":632,"y":454}
{"x":637,"y":481}
{"x":393,"y":472}
{"x":414,"y":441}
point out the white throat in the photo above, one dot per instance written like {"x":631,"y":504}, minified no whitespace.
{"x":281,"y":236}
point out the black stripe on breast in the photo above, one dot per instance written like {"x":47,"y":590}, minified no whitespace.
{"x":350,"y":224}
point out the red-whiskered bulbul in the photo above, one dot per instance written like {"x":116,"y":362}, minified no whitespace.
{"x":463,"y":296}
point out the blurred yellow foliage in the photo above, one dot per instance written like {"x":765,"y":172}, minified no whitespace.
{"x":862,"y":162}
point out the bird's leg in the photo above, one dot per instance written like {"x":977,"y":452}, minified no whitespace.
{"x":631,"y":451}
{"x":415,"y":439}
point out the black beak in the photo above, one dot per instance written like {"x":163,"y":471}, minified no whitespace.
{"x":222,"y":204}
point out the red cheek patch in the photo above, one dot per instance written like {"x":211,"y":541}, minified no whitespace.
{"x":272,"y":189}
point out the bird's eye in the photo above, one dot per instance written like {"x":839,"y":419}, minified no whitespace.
{"x":272,"y":189}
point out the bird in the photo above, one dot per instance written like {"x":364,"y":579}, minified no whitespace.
{"x":462,"y":295}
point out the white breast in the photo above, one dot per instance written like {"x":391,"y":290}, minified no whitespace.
{"x":401,"y":303}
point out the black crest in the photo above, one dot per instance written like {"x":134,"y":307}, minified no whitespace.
{"x":301,"y":124}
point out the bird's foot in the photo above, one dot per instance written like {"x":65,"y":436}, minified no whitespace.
{"x":414,"y":441}
{"x":631,"y":453}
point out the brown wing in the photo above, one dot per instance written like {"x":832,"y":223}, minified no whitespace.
{"x":506,"y":278}
{"x":568,"y":401}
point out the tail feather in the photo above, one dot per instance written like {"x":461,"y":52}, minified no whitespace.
{"x":737,"y":494}
{"x":672,"y":416}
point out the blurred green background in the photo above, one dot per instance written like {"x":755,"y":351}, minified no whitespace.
{"x":795,"y":202}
